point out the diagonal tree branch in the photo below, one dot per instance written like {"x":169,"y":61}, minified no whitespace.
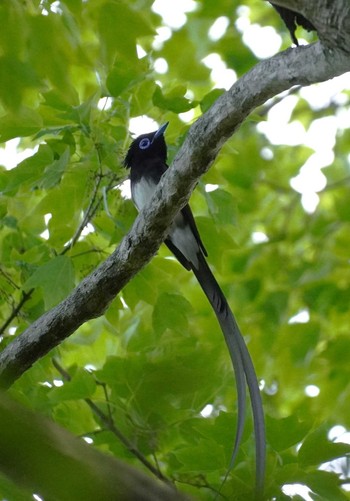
{"x":300,"y":66}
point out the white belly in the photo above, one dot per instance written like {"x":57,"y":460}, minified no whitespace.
{"x":142,"y":192}
{"x":180,"y":232}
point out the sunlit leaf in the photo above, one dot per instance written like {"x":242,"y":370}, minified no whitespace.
{"x":318,"y":449}
{"x":173,"y":101}
{"x":82,"y":385}
{"x":24,"y":122}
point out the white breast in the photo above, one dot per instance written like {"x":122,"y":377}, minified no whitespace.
{"x":142,"y":192}
{"x":180,"y":232}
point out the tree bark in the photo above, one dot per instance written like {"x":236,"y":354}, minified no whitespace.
{"x":331,"y":19}
{"x":299,"y":66}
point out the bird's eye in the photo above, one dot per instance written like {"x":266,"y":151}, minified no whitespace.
{"x":144,"y":143}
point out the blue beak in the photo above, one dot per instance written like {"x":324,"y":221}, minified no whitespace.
{"x":160,"y":131}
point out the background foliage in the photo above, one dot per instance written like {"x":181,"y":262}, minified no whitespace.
{"x":157,"y":357}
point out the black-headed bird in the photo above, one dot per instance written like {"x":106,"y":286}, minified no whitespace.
{"x":146,"y":159}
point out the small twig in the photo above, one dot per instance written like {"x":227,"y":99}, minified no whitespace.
{"x":90,"y":251}
{"x":201,"y":484}
{"x":92,"y":207}
{"x":108,"y":423}
{"x":106,"y":397}
{"x":90,"y":211}
{"x":265,"y":108}
{"x":9,"y":279}
{"x":16,"y":310}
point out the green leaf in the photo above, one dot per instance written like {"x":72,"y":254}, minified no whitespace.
{"x":29,"y":172}
{"x":50,"y":36}
{"x":284,"y":432}
{"x":82,"y":385}
{"x":170,"y":312}
{"x":326,"y":485}
{"x":55,"y":278}
{"x":141,"y":288}
{"x":55,"y":170}
{"x":173,"y":101}
{"x":206,"y":456}
{"x":303,"y":340}
{"x":123,"y":75}
{"x":222,"y":206}
{"x":13,"y":19}
{"x":121,"y":38}
{"x":81,"y":114}
{"x":17,"y":76}
{"x":25,"y":122}
{"x":317,"y":449}
{"x":184,"y":56}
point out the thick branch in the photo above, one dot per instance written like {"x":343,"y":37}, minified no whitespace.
{"x":40,"y":456}
{"x":300,"y":66}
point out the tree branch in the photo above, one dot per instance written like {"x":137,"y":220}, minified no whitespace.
{"x":25,"y":296}
{"x":40,"y":456}
{"x":299,"y":66}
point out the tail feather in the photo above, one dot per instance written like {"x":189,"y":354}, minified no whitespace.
{"x":243,"y":368}
{"x":256,"y":402}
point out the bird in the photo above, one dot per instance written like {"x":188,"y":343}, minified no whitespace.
{"x":147,"y":160}
{"x":292,"y":19}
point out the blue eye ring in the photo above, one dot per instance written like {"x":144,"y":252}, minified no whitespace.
{"x":144,"y":143}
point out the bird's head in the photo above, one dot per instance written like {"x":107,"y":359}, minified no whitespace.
{"x":147,"y":146}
